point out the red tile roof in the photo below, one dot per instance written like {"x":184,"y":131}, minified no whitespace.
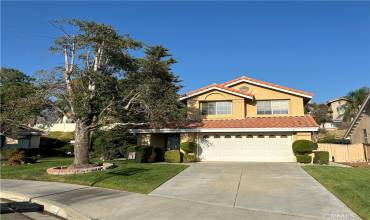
{"x":256,"y":122}
{"x":267,"y":84}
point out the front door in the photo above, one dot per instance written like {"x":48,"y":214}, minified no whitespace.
{"x":173,"y":141}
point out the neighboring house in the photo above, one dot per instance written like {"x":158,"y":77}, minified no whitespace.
{"x":25,"y":138}
{"x":63,"y":124}
{"x":240,"y":120}
{"x":359,"y":130}
{"x":336,"y":110}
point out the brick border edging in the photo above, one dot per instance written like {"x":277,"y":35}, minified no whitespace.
{"x":52,"y":207}
{"x":68,"y":171}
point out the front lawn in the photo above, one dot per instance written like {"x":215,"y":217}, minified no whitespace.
{"x":133,"y":177}
{"x":351,"y":185}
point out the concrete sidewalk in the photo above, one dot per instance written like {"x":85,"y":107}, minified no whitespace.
{"x":99,"y":203}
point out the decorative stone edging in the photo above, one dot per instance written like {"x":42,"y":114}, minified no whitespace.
{"x":64,"y":170}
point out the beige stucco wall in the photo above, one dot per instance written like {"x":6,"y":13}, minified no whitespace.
{"x":238,"y":106}
{"x":357,"y":135}
{"x":242,"y":107}
{"x":188,"y":137}
{"x":143,"y":139}
{"x":302,"y":136}
{"x":296,"y":105}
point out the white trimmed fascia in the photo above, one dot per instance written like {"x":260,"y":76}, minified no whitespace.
{"x":219,"y":89}
{"x":267,"y":86}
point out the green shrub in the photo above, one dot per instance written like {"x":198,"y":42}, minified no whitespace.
{"x":304,"y":158}
{"x":302,"y":147}
{"x":188,"y":147}
{"x":17,"y":158}
{"x":188,"y":158}
{"x":28,"y":155}
{"x":130,"y":148}
{"x":143,"y":153}
{"x":111,"y":144}
{"x":6,"y":153}
{"x":321,"y":157}
{"x":172,"y":156}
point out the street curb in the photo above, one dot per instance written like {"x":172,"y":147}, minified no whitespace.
{"x":52,"y":207}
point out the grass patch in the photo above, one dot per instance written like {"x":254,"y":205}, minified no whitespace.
{"x":133,"y":177}
{"x":351,"y":185}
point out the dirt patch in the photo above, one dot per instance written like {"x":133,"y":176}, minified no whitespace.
{"x":358,"y":165}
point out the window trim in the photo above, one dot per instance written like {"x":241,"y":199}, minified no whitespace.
{"x":216,"y":107}
{"x":271,"y":107}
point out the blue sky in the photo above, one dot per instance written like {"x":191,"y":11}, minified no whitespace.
{"x":320,"y":47}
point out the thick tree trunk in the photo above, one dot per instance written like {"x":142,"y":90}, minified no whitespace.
{"x":81,"y":147}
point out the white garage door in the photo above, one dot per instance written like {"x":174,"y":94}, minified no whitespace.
{"x":245,"y":147}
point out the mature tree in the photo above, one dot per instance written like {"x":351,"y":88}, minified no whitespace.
{"x":319,"y":112}
{"x":19,"y":100}
{"x":94,"y":86}
{"x":356,"y":98}
{"x":158,"y":89}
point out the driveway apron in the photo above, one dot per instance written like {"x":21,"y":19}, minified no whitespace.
{"x":269,"y":187}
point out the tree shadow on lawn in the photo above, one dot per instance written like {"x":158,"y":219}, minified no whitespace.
{"x":123,"y":173}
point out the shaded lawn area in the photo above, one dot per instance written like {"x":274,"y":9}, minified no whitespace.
{"x":351,"y":185}
{"x":133,"y":177}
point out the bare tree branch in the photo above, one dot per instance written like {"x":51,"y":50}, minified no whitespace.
{"x":134,"y":98}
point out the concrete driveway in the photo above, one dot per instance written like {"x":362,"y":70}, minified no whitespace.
{"x":281,"y":188}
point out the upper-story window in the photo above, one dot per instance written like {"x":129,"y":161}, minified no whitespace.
{"x":216,"y":108}
{"x":272,"y":107}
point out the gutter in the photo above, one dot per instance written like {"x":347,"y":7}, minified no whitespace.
{"x":210,"y":130}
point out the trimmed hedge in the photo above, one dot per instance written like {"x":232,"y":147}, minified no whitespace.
{"x":321,"y":157}
{"x":188,"y":147}
{"x":302,"y":147}
{"x":304,"y":158}
{"x":172,"y":156}
{"x":188,"y":158}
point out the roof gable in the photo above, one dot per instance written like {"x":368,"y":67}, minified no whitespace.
{"x":266,"y":85}
{"x":354,"y":121}
{"x":218,"y":88}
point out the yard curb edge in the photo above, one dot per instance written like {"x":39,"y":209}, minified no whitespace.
{"x":53,"y":207}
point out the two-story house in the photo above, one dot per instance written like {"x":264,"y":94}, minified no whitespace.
{"x":336,"y":109}
{"x":240,"y":120}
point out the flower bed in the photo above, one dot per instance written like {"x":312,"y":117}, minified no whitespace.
{"x":65,"y":170}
